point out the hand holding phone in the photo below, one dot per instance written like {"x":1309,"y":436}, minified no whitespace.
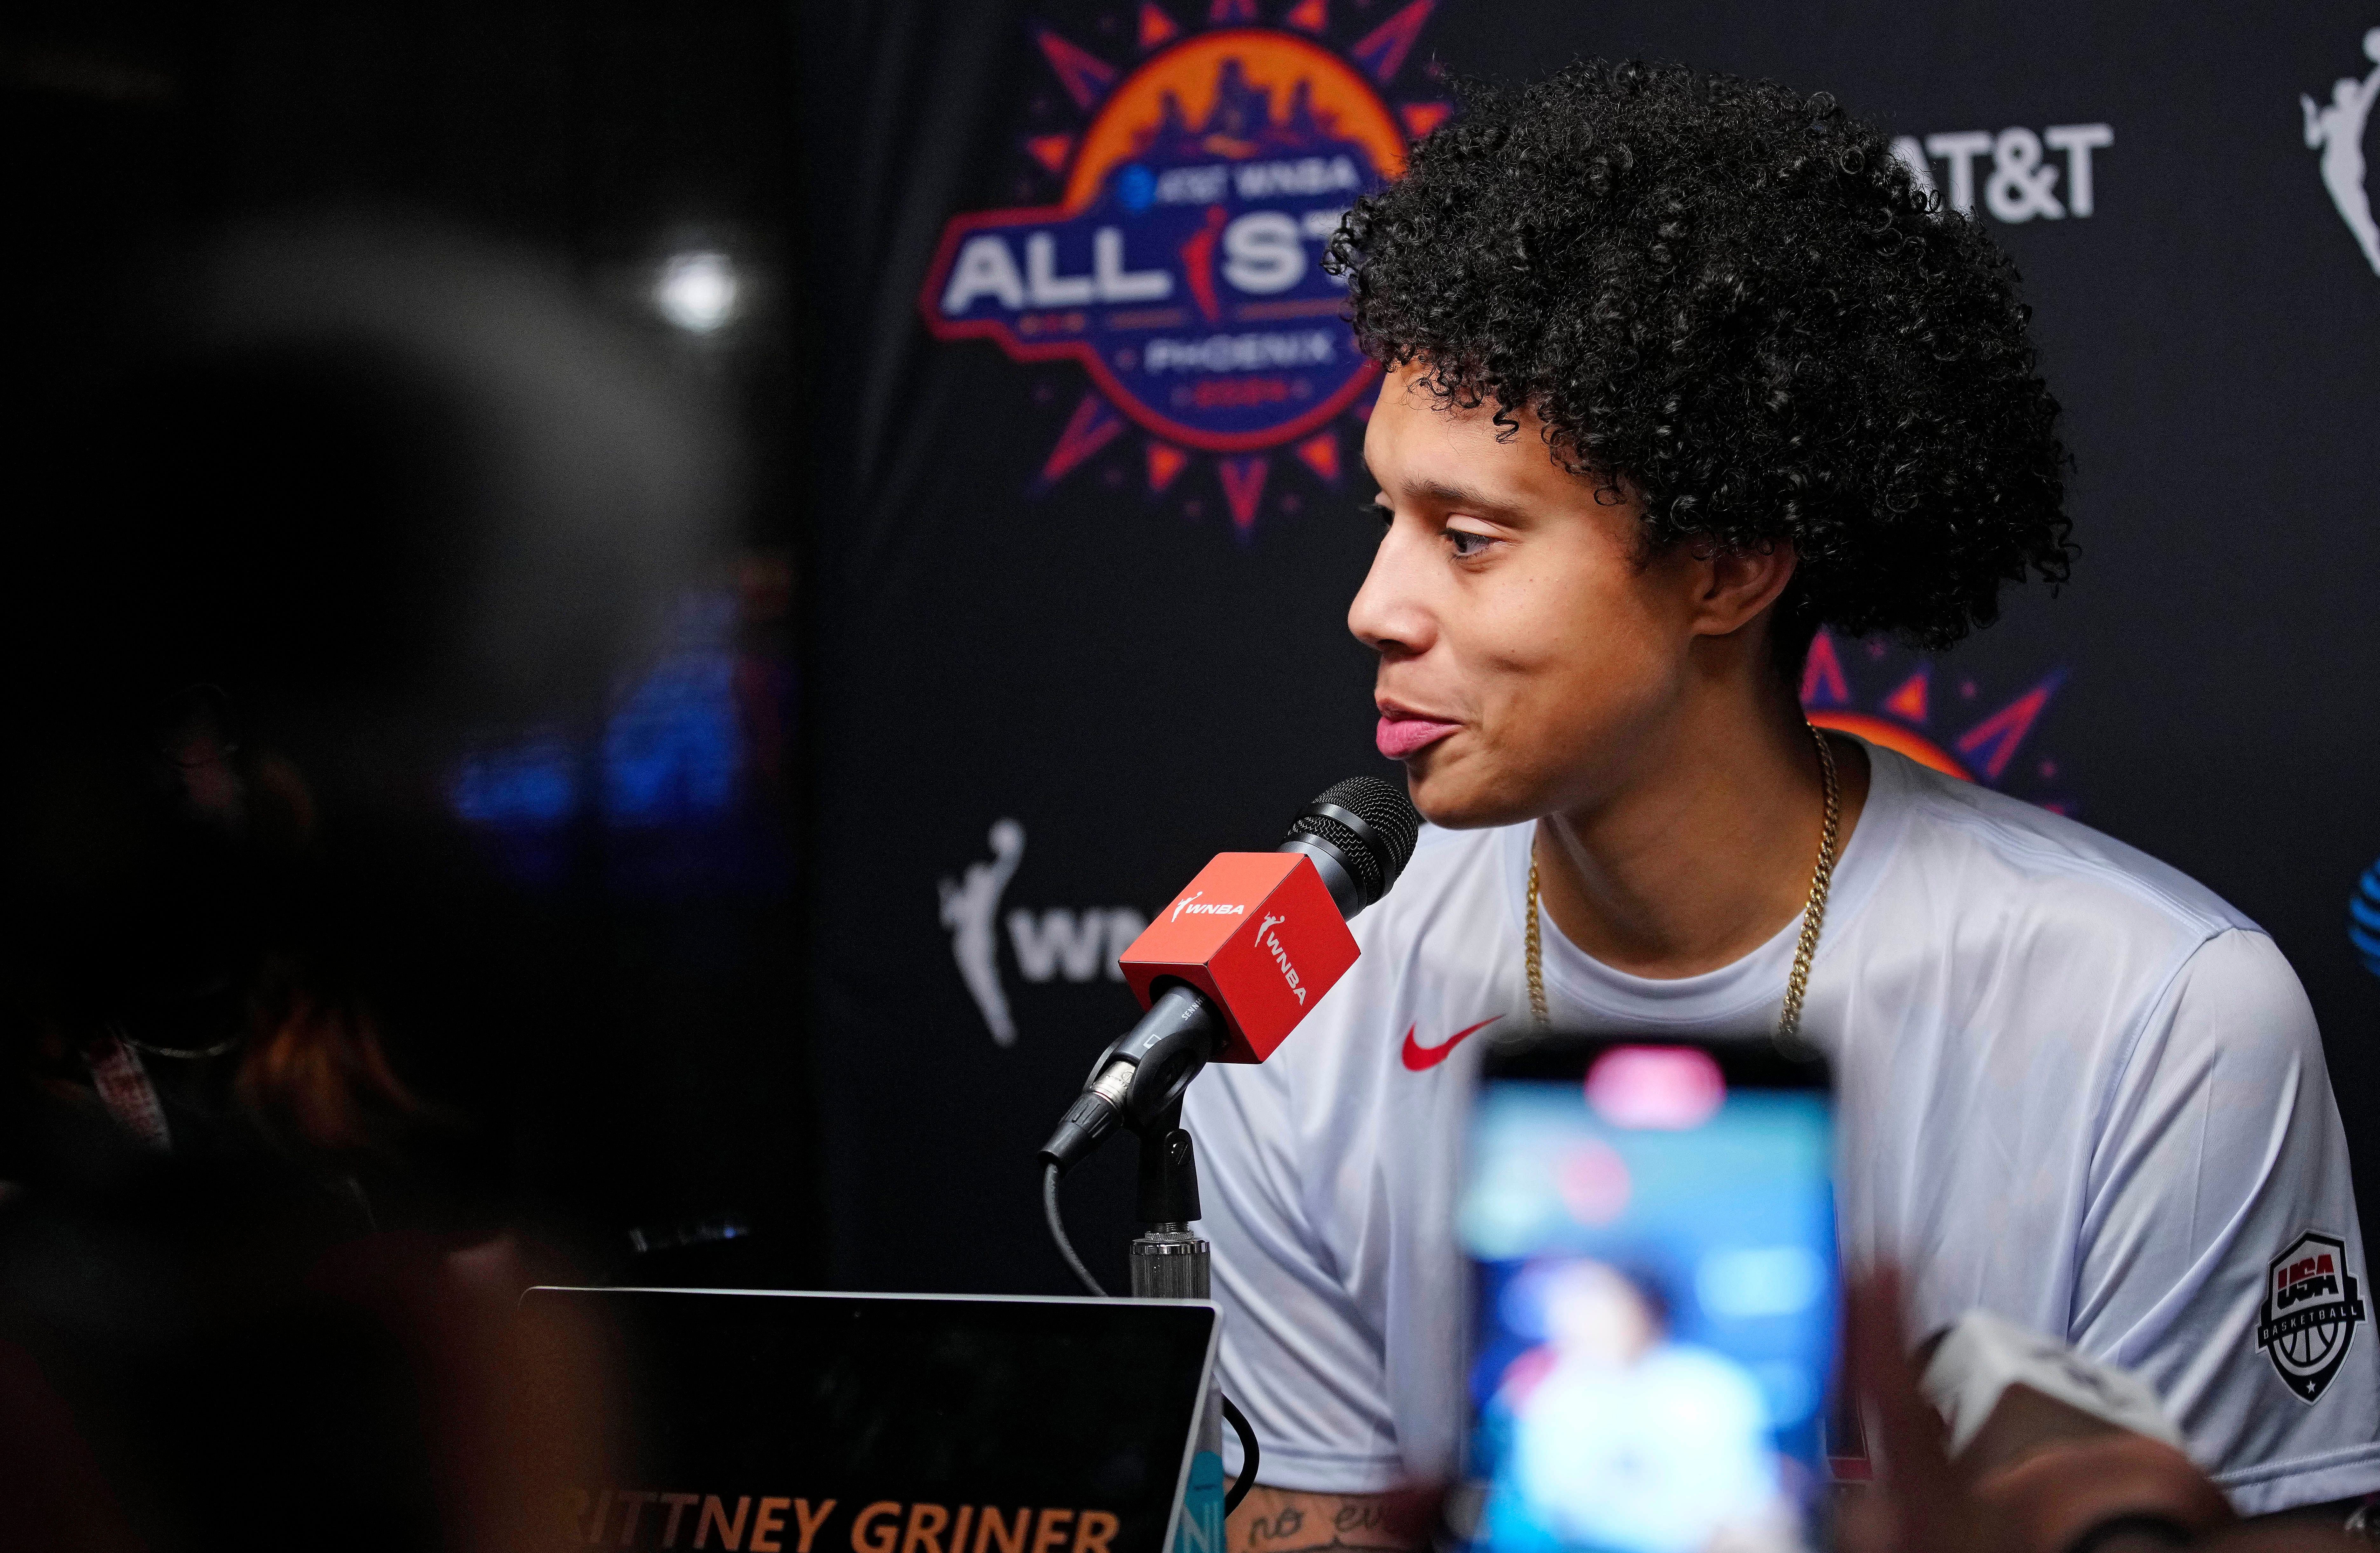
{"x":2042,"y":1500}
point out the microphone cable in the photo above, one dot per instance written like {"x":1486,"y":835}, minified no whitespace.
{"x":1249,"y":1453}
{"x":1057,"y":1220}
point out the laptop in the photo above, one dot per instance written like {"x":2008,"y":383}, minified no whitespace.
{"x":792,"y":1423}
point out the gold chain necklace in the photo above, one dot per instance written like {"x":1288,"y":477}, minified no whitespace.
{"x":1814,"y":915}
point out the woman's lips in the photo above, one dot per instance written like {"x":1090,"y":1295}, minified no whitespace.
{"x":1401,"y":738}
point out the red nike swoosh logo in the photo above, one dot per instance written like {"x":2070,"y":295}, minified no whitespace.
{"x":1419,"y":1058}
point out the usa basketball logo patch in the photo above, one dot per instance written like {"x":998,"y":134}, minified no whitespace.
{"x":2312,"y":1308}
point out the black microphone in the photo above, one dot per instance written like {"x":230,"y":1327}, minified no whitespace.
{"x":1251,"y":989}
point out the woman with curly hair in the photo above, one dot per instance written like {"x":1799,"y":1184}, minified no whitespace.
{"x":1679,"y":369}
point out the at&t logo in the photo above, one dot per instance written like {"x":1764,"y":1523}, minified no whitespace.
{"x":2023,"y":179}
{"x":2363,"y":919}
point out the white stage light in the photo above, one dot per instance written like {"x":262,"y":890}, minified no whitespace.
{"x":697,"y":291}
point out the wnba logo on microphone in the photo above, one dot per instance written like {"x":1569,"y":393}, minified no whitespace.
{"x":1196,"y":908}
{"x":2311,"y":1311}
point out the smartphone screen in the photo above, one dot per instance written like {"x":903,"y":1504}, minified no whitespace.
{"x":1652,"y":1231}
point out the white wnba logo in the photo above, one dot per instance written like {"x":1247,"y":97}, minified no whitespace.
{"x":2336,"y":130}
{"x":1191,"y":904}
{"x":1272,"y":940}
{"x":1060,"y":942}
{"x":969,"y":910}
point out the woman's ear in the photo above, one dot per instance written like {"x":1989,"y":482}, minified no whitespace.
{"x":1734,"y":586}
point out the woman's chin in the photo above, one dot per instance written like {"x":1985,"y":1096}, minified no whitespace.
{"x":1451,"y":796}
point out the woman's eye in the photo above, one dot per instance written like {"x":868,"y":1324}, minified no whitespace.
{"x":1379,"y":512}
{"x":1467,"y":544}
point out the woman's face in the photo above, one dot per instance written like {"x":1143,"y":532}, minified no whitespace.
{"x":1525,"y":641}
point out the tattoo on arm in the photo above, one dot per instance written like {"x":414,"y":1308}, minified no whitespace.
{"x":1359,"y":1515}
{"x":1277,"y":1529}
{"x":1282,"y":1521}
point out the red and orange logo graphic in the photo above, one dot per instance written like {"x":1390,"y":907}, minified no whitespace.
{"x":1180,"y":264}
{"x":1954,"y":728}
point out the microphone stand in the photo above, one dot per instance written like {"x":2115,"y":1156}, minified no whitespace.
{"x":1167,"y":1261}
{"x":1170,"y":1262}
{"x":1357,"y":837}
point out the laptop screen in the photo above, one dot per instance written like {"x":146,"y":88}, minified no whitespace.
{"x":769,"y":1423}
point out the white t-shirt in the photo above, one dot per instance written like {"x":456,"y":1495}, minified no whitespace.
{"x":2076,"y":1089}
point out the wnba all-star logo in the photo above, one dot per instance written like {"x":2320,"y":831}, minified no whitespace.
{"x":1180,"y":262}
{"x":1958,"y":726}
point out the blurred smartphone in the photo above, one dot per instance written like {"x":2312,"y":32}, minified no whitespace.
{"x":1651,"y":1226}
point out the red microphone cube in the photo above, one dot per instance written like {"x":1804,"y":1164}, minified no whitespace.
{"x":1259,"y":935}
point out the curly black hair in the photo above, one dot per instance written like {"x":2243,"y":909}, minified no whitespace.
{"x":1730,"y":303}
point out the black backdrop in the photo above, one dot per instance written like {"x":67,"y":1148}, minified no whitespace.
{"x":1136,"y":679}
{"x":999,"y":628}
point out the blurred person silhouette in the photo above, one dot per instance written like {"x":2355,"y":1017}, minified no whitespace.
{"x":349,"y":491}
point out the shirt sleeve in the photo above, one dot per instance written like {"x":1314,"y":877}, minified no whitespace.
{"x":1298,"y":1354}
{"x":2220,"y":1173}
